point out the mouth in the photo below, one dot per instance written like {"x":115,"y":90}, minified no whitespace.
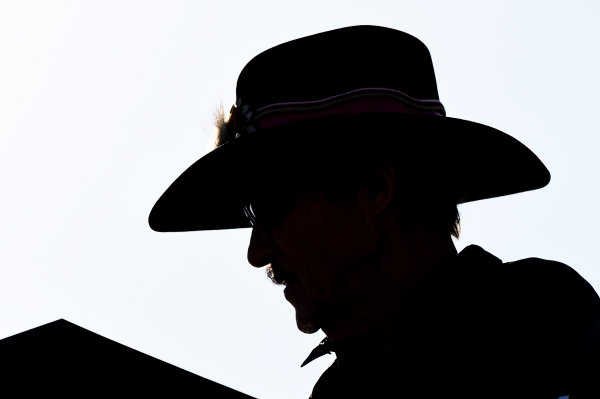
{"x":280,"y":277}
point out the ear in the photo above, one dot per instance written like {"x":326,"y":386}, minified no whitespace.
{"x":381,"y":188}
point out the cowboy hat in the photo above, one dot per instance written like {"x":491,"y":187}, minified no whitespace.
{"x":375,"y":82}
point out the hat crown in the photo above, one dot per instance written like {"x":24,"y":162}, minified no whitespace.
{"x":335,"y":62}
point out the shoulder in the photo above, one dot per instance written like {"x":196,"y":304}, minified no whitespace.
{"x":545,"y":314}
{"x":548,"y":270}
{"x":531,"y":277}
{"x":554,"y":295}
{"x":552,"y":283}
{"x":556,"y":315}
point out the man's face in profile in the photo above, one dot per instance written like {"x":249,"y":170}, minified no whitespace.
{"x":320,"y":251}
{"x":328,"y":255}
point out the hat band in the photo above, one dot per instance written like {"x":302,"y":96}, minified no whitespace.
{"x":367,"y":100}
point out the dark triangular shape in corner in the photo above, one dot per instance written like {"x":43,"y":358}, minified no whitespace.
{"x":63,"y":358}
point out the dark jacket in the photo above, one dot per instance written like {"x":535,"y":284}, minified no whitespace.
{"x":485,"y":329}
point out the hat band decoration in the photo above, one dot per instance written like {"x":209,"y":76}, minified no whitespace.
{"x":366,"y":100}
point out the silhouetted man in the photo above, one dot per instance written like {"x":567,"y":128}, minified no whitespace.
{"x":339,"y":155}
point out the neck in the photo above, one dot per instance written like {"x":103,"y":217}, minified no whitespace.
{"x":403,"y":271}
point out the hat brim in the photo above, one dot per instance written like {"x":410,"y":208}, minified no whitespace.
{"x":484,"y":163}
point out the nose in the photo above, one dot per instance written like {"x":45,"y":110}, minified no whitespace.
{"x":261,"y":248}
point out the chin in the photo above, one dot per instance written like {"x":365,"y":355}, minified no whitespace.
{"x":308,"y":329}
{"x":307,"y":326}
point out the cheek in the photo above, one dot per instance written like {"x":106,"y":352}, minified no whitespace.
{"x":327,"y":236}
{"x":335,"y":254}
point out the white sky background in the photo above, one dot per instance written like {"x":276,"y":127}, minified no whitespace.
{"x":104,"y":103}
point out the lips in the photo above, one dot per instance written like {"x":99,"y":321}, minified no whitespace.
{"x":293,"y":291}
